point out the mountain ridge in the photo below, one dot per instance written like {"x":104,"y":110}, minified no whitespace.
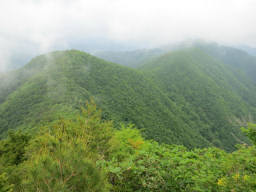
{"x":65,"y":79}
{"x":183,"y":97}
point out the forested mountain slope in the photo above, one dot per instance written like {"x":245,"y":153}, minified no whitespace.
{"x":211,"y":95}
{"x":56,"y":84}
{"x":183,"y":97}
{"x":237,"y":59}
{"x":241,"y":63}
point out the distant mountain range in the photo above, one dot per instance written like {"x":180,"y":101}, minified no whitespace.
{"x":197,"y":95}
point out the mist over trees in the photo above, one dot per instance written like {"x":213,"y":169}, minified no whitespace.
{"x":171,"y":122}
{"x":128,"y":96}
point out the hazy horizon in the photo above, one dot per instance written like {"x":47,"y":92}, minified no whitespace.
{"x":29,"y":28}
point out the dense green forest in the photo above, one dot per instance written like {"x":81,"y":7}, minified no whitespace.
{"x":172,"y":122}
{"x":238,"y":60}
{"x":128,"y":96}
{"x":86,"y":153}
{"x":187,"y":97}
{"x":55,"y":85}
{"x":210,"y":94}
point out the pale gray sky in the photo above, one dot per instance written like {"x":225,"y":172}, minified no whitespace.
{"x":29,"y":27}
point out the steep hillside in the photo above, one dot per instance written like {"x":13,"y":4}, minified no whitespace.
{"x":210,"y":94}
{"x":237,"y":59}
{"x":183,"y":97}
{"x":56,"y":84}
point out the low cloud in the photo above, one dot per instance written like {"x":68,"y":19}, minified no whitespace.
{"x":31,"y":27}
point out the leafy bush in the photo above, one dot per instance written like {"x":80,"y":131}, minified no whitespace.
{"x":88,"y":154}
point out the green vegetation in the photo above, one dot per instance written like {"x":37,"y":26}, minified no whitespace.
{"x":213,"y":99}
{"x":86,"y":153}
{"x":184,"y":97}
{"x":237,"y":60}
{"x":54,"y":85}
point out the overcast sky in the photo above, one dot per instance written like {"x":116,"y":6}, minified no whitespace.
{"x":30,"y":27}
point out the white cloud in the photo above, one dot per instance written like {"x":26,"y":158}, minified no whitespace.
{"x":56,"y":24}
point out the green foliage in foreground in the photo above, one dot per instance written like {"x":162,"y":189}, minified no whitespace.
{"x":87,"y":154}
